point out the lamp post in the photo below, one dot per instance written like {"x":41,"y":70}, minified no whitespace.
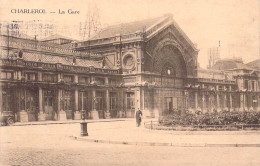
{"x":83,"y":124}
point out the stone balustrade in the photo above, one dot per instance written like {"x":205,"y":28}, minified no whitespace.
{"x":54,"y":66}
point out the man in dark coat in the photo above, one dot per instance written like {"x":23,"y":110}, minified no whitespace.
{"x":138,"y":117}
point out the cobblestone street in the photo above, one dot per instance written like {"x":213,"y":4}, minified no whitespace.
{"x":52,"y":145}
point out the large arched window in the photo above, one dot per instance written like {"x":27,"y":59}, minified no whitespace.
{"x":169,"y":61}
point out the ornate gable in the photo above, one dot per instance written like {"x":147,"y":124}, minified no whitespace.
{"x":169,"y":46}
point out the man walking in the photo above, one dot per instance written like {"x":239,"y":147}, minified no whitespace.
{"x":138,"y":117}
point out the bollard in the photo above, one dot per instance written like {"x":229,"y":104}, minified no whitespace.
{"x":84,"y":129}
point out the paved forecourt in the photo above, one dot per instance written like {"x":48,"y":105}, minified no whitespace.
{"x":126,"y":132}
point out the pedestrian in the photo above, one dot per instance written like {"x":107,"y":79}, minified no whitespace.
{"x":138,"y":117}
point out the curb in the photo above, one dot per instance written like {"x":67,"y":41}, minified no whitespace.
{"x":162,"y":144}
{"x":65,"y":122}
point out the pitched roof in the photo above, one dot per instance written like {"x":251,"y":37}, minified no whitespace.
{"x":230,"y":64}
{"x":56,"y":36}
{"x":68,"y":60}
{"x":254,"y":64}
{"x":18,"y":35}
{"x":126,"y":28}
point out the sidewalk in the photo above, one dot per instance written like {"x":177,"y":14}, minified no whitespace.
{"x":66,"y":122}
{"x":125,"y":132}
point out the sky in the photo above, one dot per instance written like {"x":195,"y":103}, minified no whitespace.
{"x":235,"y":23}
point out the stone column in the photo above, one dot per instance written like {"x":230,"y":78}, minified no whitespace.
{"x":19,"y":75}
{"x":241,"y":102}
{"x":225,"y":102}
{"x":77,"y":115}
{"x":76,"y":79}
{"x":190,"y":98}
{"x":41,"y":115}
{"x":40,"y":76}
{"x":203,"y":103}
{"x":76,"y":99}
{"x":230,"y":102}
{"x":251,"y":102}
{"x":218,"y":103}
{"x":196,"y":101}
{"x":107,"y":113}
{"x":59,"y":77}
{"x":94,"y":112}
{"x":245,"y":102}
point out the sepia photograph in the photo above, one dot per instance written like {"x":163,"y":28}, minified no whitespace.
{"x":129,"y":83}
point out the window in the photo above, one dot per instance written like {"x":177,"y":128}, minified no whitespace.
{"x":246,"y":84}
{"x":7,"y":75}
{"x":113,"y":101}
{"x":99,"y":100}
{"x":31,"y":76}
{"x":100,"y":81}
{"x":68,"y":78}
{"x":130,"y":96}
{"x":253,"y":86}
{"x":67,"y":100}
{"x":112,"y":81}
{"x":220,"y":88}
{"x":171,"y":71}
{"x":7,"y":100}
{"x":82,"y":100}
{"x":49,"y":77}
{"x":31,"y":100}
{"x":83,"y":80}
{"x":48,"y":98}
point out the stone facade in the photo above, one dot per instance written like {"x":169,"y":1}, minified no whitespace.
{"x":115,"y":73}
